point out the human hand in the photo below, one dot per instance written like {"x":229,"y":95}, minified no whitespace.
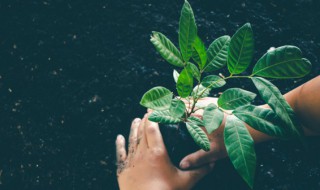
{"x":217,"y":147}
{"x":147,"y":164}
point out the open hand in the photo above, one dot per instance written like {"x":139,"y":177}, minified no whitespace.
{"x":147,"y":165}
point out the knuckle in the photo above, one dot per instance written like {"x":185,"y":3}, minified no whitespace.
{"x":151,"y":129}
{"x":157,"y":152}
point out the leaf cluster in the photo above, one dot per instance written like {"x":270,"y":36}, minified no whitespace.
{"x":195,"y":81}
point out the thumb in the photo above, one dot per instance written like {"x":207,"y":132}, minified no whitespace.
{"x":196,"y":159}
{"x":193,"y":176}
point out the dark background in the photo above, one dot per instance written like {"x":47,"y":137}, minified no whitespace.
{"x":72,"y":74}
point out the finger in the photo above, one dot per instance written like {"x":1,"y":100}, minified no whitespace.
{"x":193,"y":176}
{"x":154,"y":137}
{"x":133,"y":137}
{"x":141,"y":134}
{"x":121,"y":149}
{"x":196,"y":159}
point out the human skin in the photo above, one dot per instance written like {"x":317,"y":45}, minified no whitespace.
{"x":147,"y":165}
{"x":304,"y":100}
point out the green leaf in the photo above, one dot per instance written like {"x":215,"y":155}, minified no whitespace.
{"x":199,"y":136}
{"x":201,"y":52}
{"x":241,"y":50}
{"x":240,"y":148}
{"x":200,"y":90}
{"x":187,"y":31}
{"x":282,"y":62}
{"x":164,"y":117}
{"x":175,"y":75}
{"x":157,"y":98}
{"x":196,"y":121}
{"x":217,"y":54}
{"x":235,"y":97}
{"x":166,"y":49}
{"x":177,"y":108}
{"x":212,"y":118}
{"x":273,"y":97}
{"x":185,"y":83}
{"x":195,"y":56}
{"x":213,"y":81}
{"x":261,"y":119}
{"x":194,"y":70}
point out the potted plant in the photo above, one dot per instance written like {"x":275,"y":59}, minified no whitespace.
{"x":196,"y":63}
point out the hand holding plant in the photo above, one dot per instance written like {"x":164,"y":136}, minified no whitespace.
{"x":236,"y":53}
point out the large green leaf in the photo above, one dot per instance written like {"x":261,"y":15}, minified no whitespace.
{"x":213,"y":81}
{"x":177,"y":108}
{"x":157,"y":98}
{"x":175,"y":75}
{"x":164,"y":117}
{"x":185,"y":83}
{"x":200,"y":50}
{"x":282,"y":62}
{"x":200,"y":91}
{"x":212,"y":117}
{"x":261,"y":119}
{"x":187,"y":31}
{"x":240,"y":148}
{"x":273,"y":97}
{"x":199,"y":136}
{"x":217,"y":54}
{"x":194,"y":70}
{"x":166,"y":49}
{"x":241,"y":50}
{"x":235,"y":97}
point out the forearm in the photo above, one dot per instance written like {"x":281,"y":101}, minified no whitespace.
{"x":305,"y":101}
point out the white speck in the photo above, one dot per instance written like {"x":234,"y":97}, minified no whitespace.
{"x":15,"y":46}
{"x":49,"y":58}
{"x":21,"y":58}
{"x":243,"y":4}
{"x":273,"y":149}
{"x":10,"y":90}
{"x":74,"y":37}
{"x":102,"y":110}
{"x":271,"y":49}
{"x":62,"y":121}
{"x":94,"y":99}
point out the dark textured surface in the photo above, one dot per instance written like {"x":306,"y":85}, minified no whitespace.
{"x":72,"y":74}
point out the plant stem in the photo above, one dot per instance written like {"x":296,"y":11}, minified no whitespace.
{"x":196,"y":99}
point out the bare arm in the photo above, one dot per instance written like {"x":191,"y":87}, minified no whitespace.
{"x":304,"y":100}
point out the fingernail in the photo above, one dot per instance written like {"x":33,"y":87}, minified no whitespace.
{"x":136,"y":120}
{"x":184,"y":165}
{"x":119,"y":137}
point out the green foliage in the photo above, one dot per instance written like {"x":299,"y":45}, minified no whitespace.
{"x":185,"y":83}
{"x":196,"y":120}
{"x":177,"y":108}
{"x":235,"y":97}
{"x":213,"y":81}
{"x":261,"y":119}
{"x":217,"y":54}
{"x":166,"y":49}
{"x":157,"y":98}
{"x":240,"y":148}
{"x":212,"y":117}
{"x":199,"y":136}
{"x":194,"y":70}
{"x":241,"y":50}
{"x":187,"y":31}
{"x":272,"y":96}
{"x":199,"y":54}
{"x":237,"y":53}
{"x":282,"y":62}
{"x":164,"y":117}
